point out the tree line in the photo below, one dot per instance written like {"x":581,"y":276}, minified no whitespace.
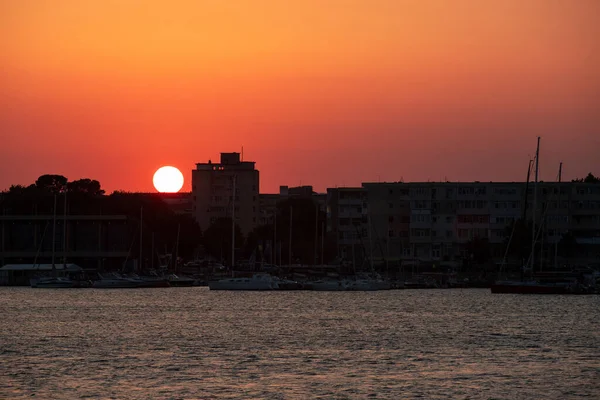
{"x":269,"y":243}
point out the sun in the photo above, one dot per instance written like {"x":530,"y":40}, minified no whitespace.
{"x":168,"y":179}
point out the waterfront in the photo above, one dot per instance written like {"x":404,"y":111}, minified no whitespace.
{"x":195,"y":343}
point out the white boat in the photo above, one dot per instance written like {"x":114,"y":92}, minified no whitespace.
{"x":256,"y":282}
{"x":115,"y":281}
{"x":51,"y":283}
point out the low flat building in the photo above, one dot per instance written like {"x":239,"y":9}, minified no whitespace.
{"x":91,"y":241}
{"x":20,"y":274}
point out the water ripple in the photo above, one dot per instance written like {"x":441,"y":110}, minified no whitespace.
{"x":189,"y":343}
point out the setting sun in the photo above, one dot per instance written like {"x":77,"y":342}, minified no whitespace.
{"x":168,"y":180}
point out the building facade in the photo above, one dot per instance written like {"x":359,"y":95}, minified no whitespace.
{"x":91,"y":241}
{"x":347,"y":221}
{"x":222,"y":189}
{"x":435,"y":221}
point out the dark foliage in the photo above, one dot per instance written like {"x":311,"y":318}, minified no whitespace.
{"x":590,"y":178}
{"x":520,"y":244}
{"x":86,"y":197}
{"x":217,"y":240}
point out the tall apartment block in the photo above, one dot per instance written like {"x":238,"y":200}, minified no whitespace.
{"x":213,"y":194}
{"x":347,"y":220}
{"x":433,"y":221}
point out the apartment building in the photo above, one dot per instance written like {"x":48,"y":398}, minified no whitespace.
{"x":434,"y":221}
{"x":225,"y":188}
{"x":268,"y":202}
{"x":347,"y":220}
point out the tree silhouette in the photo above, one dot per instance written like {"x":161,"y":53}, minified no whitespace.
{"x":590,"y":178}
{"x":52,"y":183}
{"x":520,"y":244}
{"x":479,"y":250}
{"x":217,"y":239}
{"x":85,"y":186}
{"x":567,"y":246}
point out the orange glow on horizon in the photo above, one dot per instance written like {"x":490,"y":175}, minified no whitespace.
{"x":322,"y":93}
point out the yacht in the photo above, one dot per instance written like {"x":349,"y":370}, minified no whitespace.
{"x":364,"y":282}
{"x":51,"y":283}
{"x":330,"y":285}
{"x":114,"y":281}
{"x":288,"y":284}
{"x":150,"y":281}
{"x":256,"y":282}
{"x":175,"y":280}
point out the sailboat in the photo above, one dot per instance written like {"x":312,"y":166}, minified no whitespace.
{"x":532,"y":286}
{"x":54,"y":282}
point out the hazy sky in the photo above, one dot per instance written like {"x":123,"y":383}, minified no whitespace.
{"x":317,"y":92}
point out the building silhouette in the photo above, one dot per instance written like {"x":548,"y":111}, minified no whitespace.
{"x":213,"y":187}
{"x":433,"y":221}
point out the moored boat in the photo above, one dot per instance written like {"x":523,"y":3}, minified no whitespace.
{"x":180,"y":281}
{"x":51,"y":283}
{"x":256,"y":282}
{"x":115,"y":281}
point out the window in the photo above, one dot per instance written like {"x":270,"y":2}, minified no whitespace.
{"x":391,"y":218}
{"x":391,"y":233}
{"x":463,"y":233}
{"x":448,"y":234}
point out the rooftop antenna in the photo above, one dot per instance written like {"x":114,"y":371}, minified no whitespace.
{"x":242,"y":153}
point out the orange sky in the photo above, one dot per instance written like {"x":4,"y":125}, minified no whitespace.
{"x":326,"y":93}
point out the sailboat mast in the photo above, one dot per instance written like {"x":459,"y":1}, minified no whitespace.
{"x":65,"y":234}
{"x":322,"y":241}
{"x":316,"y":232}
{"x":233,"y":226}
{"x":177,"y":248}
{"x":537,"y":164}
{"x":54,"y":232}
{"x":274,"y":257}
{"x":290,"y":244}
{"x":152,"y":253}
{"x":141,"y":234}
{"x":558,"y":207}
{"x":370,"y":241}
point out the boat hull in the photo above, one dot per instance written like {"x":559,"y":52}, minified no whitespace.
{"x":332,"y":286}
{"x":529,"y":289}
{"x":182,"y":283}
{"x":61,"y":285}
{"x":224,"y":285}
{"x":51,"y":283}
{"x":115,"y":285}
